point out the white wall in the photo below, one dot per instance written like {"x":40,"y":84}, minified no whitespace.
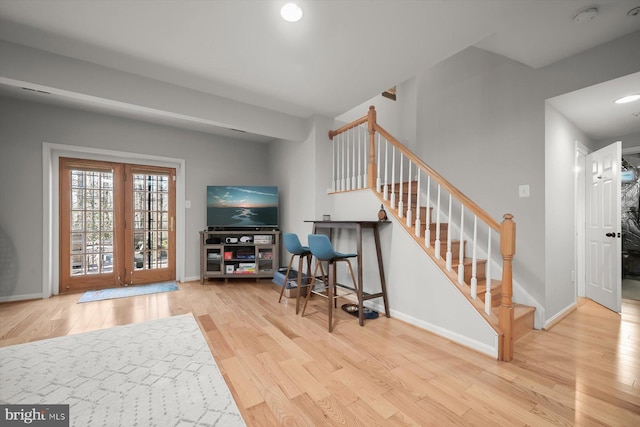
{"x":479,"y":119}
{"x":475,"y":129}
{"x":105,"y":87}
{"x":561,"y":136}
{"x":293,"y":166}
{"x":24,"y":126}
{"x":418,"y":292}
{"x":481,"y":123}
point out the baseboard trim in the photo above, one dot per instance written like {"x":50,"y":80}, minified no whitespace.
{"x":558,"y":317}
{"x":453,"y":336}
{"x":12,"y":298}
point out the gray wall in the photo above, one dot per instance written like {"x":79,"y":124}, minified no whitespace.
{"x":481,"y":123}
{"x":475,"y":128}
{"x":561,"y":137}
{"x":24,"y":126}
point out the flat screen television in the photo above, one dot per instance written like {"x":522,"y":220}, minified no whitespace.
{"x":242,"y":207}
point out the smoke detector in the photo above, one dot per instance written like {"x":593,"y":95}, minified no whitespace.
{"x":586,"y":15}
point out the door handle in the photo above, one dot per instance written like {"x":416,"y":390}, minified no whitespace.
{"x":612,"y":234}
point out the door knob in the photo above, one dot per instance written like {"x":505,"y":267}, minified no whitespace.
{"x":610,"y":234}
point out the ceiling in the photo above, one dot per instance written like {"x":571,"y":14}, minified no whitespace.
{"x":593,"y":110}
{"x":339,"y":55}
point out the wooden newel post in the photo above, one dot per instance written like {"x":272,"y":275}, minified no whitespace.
{"x":505,"y":316}
{"x":371,"y":169}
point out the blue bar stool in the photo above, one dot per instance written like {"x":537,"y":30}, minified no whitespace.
{"x":293,"y":245}
{"x":323,"y":250}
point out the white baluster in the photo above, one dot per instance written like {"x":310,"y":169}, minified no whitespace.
{"x":400,"y":192}
{"x":461,"y":255}
{"x":437,"y":242}
{"x":449,"y":256}
{"x":427,"y":220}
{"x":409,"y":197}
{"x":359,"y":184}
{"x":474,"y":279}
{"x":365,"y":160}
{"x":385,"y":194}
{"x":356,"y":139}
{"x":333,"y":164}
{"x":393,"y":177}
{"x":487,"y":295}
{"x":418,"y":224}
{"x":348,"y":160}
{"x":378,"y":179}
{"x":343,"y":184}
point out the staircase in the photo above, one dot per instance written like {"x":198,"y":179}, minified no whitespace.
{"x":523,"y":315}
{"x":444,"y":222}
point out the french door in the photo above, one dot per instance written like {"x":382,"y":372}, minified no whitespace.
{"x":117,"y":224}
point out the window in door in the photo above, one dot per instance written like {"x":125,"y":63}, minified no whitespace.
{"x":116,"y":224}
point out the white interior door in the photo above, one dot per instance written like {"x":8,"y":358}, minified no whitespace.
{"x":604,"y":243}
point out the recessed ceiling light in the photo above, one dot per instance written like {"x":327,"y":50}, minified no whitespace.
{"x":586,"y":15}
{"x":628,"y":98}
{"x":291,"y":12}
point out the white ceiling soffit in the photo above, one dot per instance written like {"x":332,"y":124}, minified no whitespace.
{"x":594,"y":112}
{"x":105,"y":106}
{"x":339,"y":55}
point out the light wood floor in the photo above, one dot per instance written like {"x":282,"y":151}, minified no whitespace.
{"x":287,"y":370}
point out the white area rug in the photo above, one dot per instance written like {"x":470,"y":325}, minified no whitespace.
{"x":154,"y":373}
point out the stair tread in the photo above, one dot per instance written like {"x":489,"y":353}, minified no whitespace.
{"x":519,"y":310}
{"x":469,"y":261}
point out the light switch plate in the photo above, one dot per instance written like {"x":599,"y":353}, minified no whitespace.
{"x":523,"y":191}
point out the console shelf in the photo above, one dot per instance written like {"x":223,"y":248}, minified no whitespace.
{"x":239,"y":254}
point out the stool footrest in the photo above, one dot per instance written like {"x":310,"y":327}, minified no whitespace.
{"x":366,"y":297}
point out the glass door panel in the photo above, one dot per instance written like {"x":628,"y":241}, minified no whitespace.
{"x":87,"y":225}
{"x":152,"y":245}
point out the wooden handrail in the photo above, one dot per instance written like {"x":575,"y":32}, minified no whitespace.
{"x":346,"y":127}
{"x":466,"y":201}
{"x":506,"y":229}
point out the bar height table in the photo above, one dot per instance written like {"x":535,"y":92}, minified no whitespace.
{"x":358,"y":226}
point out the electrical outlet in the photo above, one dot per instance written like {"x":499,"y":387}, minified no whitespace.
{"x":187,"y":204}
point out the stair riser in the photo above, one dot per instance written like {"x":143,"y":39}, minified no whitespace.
{"x":523,"y":325}
{"x":496,"y":295}
{"x":455,"y":251}
{"x":480,"y":271}
{"x":405,"y":185}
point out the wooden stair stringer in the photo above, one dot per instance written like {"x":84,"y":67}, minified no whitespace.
{"x":523,"y":315}
{"x":491,"y":318}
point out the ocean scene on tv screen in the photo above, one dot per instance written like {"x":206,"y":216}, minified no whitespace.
{"x":242,"y":206}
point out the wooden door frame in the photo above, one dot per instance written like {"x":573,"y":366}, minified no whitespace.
{"x":51,"y":154}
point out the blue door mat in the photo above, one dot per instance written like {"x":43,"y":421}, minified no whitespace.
{"x":129,"y":291}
